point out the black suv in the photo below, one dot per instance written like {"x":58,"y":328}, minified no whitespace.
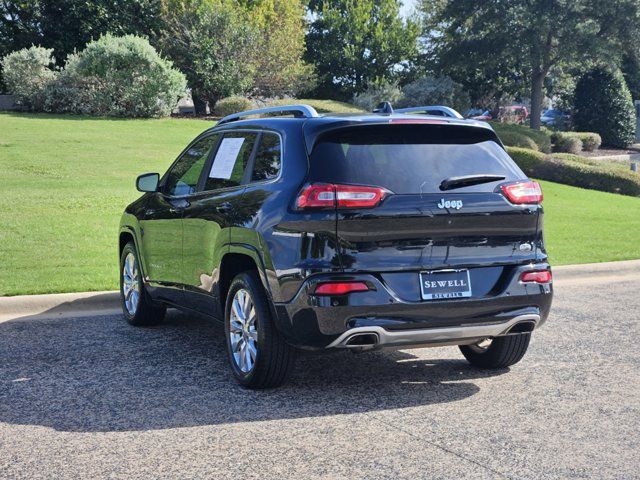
{"x":341,"y":232}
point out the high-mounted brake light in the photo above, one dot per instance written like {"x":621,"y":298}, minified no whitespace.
{"x":522,"y":192}
{"x":325,"y":195}
{"x":429,"y":121}
{"x":536,"y":276}
{"x":340,"y":288}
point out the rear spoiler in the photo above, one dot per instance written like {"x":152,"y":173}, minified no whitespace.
{"x":313,"y":131}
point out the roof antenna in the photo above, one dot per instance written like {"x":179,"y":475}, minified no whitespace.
{"x":384,"y":108}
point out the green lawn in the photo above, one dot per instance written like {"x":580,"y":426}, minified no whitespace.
{"x":65,"y":181}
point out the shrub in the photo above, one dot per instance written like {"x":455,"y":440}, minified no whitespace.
{"x":27,"y":73}
{"x":603,"y":105}
{"x":379,"y":91}
{"x":590,"y":141}
{"x":566,"y":143}
{"x":435,"y":91}
{"x":229,"y":105}
{"x":541,"y":138}
{"x":127,"y":76}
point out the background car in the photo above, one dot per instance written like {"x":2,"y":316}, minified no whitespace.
{"x":485,"y":116}
{"x":554,"y":118}
{"x":513,"y":114}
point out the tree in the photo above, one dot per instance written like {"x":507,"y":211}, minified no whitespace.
{"x":508,"y":43}
{"x":631,"y":72}
{"x":279,"y":67}
{"x":213,"y":43}
{"x":68,"y":25}
{"x":355,"y":42}
{"x":603,"y":105}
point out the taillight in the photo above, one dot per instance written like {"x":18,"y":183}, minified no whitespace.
{"x":324,"y":195}
{"x":536,"y":276}
{"x":340,"y":288}
{"x":522,"y":192}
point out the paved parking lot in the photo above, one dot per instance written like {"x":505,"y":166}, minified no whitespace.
{"x":93,"y":397}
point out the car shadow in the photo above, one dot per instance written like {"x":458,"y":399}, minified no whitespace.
{"x":98,"y":374}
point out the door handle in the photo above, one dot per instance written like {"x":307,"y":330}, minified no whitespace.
{"x":223,"y":207}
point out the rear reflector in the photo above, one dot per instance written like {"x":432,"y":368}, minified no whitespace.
{"x":536,"y":276}
{"x":340,"y":288}
{"x":522,"y":192}
{"x":324,"y":195}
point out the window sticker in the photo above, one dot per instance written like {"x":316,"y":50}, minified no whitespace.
{"x":226,"y":158}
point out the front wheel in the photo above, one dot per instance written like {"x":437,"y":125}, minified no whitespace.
{"x":499,"y":352}
{"x":137,"y":307}
{"x":259,"y":356}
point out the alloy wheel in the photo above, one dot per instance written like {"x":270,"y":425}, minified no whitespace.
{"x":131,"y":284}
{"x":243,"y":334}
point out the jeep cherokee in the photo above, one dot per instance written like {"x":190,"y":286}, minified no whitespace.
{"x":341,"y":232}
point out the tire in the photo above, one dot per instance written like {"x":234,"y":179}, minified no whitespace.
{"x":250,"y":331}
{"x":501,"y":353}
{"x":142,"y":312}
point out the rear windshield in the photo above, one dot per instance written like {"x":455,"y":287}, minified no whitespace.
{"x":410,"y":158}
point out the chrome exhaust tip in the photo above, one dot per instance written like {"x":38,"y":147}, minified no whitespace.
{"x":362,"y":341}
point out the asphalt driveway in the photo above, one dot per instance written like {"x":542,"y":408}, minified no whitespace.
{"x":94,"y":397}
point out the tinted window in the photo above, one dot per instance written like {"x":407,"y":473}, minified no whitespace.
{"x":410,"y":159}
{"x":230,"y":162}
{"x":182,"y":178}
{"x":438,"y":113}
{"x":267,"y":164}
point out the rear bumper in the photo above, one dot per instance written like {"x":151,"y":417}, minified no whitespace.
{"x":383,"y":317}
{"x":363,"y":338}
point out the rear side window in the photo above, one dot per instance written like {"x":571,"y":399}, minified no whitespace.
{"x":230,"y":161}
{"x":409,"y":159}
{"x":268,"y":155}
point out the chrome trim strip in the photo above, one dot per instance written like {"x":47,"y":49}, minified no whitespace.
{"x":425,"y":336}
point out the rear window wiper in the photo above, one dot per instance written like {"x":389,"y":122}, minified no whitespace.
{"x":468,"y":180}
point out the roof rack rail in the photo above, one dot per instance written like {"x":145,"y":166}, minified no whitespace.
{"x":451,"y":112}
{"x":299,"y":111}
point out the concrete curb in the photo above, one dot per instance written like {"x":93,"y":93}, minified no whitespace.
{"x":108,"y":303}
{"x":59,"y":305}
{"x":623,"y":268}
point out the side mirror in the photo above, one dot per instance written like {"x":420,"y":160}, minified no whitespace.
{"x":148,"y":182}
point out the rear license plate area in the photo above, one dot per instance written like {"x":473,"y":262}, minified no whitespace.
{"x":445,"y":284}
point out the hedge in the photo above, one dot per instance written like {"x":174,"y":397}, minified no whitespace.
{"x":577,"y":172}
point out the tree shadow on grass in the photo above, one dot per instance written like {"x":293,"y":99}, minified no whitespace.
{"x":98,"y":374}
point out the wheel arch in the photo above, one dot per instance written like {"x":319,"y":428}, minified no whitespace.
{"x":240,"y":258}
{"x":126,"y":235}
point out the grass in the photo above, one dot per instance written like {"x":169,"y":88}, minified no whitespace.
{"x":586,"y":226}
{"x":65,"y":181}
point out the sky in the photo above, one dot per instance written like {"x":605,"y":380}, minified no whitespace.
{"x":407,"y":7}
